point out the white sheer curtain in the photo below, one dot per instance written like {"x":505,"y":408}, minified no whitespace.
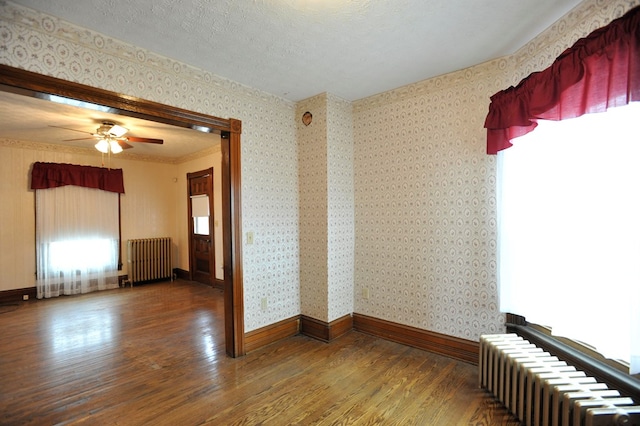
{"x":77,"y":232}
{"x":569,"y":230}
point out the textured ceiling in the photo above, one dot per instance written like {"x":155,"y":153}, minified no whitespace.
{"x":300,"y":48}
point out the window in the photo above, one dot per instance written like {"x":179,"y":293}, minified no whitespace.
{"x":77,"y":228}
{"x":200,"y":213}
{"x":569,"y":230}
{"x":76,"y":240}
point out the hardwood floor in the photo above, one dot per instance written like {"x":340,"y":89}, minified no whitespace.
{"x":154,"y":354}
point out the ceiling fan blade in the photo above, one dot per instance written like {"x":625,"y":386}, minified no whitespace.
{"x":124,"y":145}
{"x":146,"y":140}
{"x":76,"y":139}
{"x":74,"y":130}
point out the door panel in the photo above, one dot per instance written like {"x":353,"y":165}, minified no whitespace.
{"x":202,"y":256}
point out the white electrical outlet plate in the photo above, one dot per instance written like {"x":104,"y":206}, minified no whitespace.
{"x":249,"y":237}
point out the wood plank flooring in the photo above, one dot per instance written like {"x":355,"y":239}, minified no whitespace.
{"x":154,"y":355}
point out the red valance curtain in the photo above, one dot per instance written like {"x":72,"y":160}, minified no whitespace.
{"x":52,"y":175}
{"x":598,"y":72}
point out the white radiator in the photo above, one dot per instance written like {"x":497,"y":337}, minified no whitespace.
{"x":541,"y":390}
{"x":149,"y":259}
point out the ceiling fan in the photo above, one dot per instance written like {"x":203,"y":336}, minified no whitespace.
{"x":111,"y":138}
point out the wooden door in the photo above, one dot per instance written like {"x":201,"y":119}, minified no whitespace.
{"x":201,"y":230}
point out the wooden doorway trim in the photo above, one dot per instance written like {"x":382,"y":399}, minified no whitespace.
{"x":15,"y":80}
{"x":231,"y":202}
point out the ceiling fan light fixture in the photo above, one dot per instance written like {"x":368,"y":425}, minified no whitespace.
{"x":108,"y":145}
{"x":115,"y":147}
{"x":103,"y":146}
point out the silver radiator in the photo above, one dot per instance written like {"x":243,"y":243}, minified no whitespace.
{"x":541,"y":390}
{"x":149,"y":259}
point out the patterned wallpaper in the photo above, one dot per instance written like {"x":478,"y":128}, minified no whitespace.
{"x":340,"y":215}
{"x":313,"y":188}
{"x":424,"y":216}
{"x":425,"y":205}
{"x":326,"y":207}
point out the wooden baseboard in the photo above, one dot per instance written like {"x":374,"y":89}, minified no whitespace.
{"x":181,"y":273}
{"x":299,"y":324}
{"x":184,"y":275}
{"x":15,"y":295}
{"x":272,"y":333}
{"x":325,"y":331}
{"x":455,"y":347}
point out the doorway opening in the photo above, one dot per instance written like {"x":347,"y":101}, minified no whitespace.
{"x":202,"y":258}
{"x":34,"y":85}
